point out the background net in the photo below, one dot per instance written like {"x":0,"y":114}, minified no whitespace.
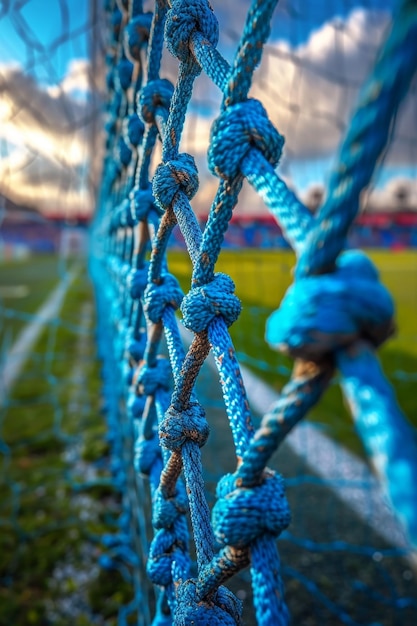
{"x":69,"y":553}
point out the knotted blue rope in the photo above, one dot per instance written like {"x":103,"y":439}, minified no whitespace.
{"x":149,"y":379}
{"x":159,"y":296}
{"x":183,"y":19}
{"x":242,"y":515}
{"x":182,"y":426}
{"x":136,"y":35}
{"x":353,"y":305}
{"x":137,"y":281}
{"x":135,"y":129}
{"x":338,"y":309}
{"x":124,"y":73}
{"x":203,"y":304}
{"x":147,"y":454}
{"x":239,"y":129}
{"x":141,"y":203}
{"x":125,"y":153}
{"x":180,"y":174}
{"x":222,"y":610}
{"x":155,"y":96}
{"x":166,"y":511}
{"x":251,"y":510}
{"x":153,"y":375}
{"x":168,"y":548}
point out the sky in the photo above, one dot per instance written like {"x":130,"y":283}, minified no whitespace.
{"x":45,"y":105}
{"x":318,"y":55}
{"x":44,"y":42}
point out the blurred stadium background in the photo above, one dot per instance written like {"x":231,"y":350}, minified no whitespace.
{"x":56,"y":497}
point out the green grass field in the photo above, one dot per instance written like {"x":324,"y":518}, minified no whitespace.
{"x":261,"y":279}
{"x":46,"y":528}
{"x":52,"y":437}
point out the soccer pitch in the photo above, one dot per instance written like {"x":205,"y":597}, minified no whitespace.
{"x":54,"y":431}
{"x":262,"y":277}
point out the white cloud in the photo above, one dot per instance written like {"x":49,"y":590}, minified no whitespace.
{"x":78,"y":77}
{"x":310,"y":92}
{"x":45,"y":135}
{"x":44,"y":184}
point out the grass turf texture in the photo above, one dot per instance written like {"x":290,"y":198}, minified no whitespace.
{"x":261,"y":279}
{"x":52,"y":434}
{"x":49,"y":532}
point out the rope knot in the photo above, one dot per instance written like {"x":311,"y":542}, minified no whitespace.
{"x":149,"y":379}
{"x":157,"y":296}
{"x":178,"y":427}
{"x":180,"y":174}
{"x":184,"y":17}
{"x":240,"y":128}
{"x":136,"y":35}
{"x":167,"y":510}
{"x":241,"y":514}
{"x":135,"y":348}
{"x":141,"y":203}
{"x":135,"y":405}
{"x":222,"y":609}
{"x":134,"y":129}
{"x":203,"y":304}
{"x":146,"y":452}
{"x":137,"y":281}
{"x":337,"y":309}
{"x":155,"y":95}
{"x":168,"y":549}
{"x":124,"y":73}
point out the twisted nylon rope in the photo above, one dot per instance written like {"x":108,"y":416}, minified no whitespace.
{"x":126,"y":262}
{"x":251,"y":510}
{"x":114,"y":329}
{"x":178,"y":172}
{"x":211,"y":305}
{"x":357,"y":315}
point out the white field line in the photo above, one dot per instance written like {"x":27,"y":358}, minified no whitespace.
{"x":16,"y":357}
{"x":73,"y":604}
{"x":347,"y":476}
